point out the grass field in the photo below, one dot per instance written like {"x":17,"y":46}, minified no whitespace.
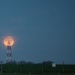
{"x":37,"y":69}
{"x":38,"y":74}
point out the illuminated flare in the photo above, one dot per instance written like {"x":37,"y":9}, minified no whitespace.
{"x":8,"y":41}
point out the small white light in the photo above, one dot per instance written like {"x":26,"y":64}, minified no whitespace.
{"x":53,"y":65}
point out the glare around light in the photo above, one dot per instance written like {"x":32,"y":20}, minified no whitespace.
{"x":8,"y":41}
{"x":53,"y":65}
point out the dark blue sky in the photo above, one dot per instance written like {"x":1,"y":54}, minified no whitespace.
{"x":43,"y":29}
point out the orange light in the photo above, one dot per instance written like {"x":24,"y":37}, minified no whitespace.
{"x":8,"y":41}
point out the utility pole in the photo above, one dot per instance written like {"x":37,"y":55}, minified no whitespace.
{"x":63,"y":66}
{"x":42,"y":69}
{"x":1,"y":66}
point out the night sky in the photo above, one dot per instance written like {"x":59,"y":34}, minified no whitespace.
{"x":43,"y":30}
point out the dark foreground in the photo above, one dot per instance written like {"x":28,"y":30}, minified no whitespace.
{"x":36,"y":69}
{"x":37,"y":74}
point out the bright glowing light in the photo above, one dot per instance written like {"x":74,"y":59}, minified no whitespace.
{"x":8,"y":41}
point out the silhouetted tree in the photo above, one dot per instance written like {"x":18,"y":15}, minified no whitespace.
{"x":21,"y":62}
{"x":47,"y":62}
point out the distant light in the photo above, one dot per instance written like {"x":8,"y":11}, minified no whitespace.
{"x":53,"y":65}
{"x":8,"y":41}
